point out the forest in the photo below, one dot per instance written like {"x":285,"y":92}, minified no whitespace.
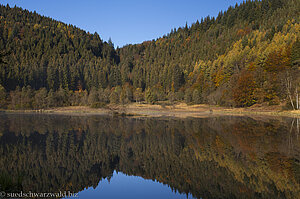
{"x":248,"y":54}
{"x":215,"y":157}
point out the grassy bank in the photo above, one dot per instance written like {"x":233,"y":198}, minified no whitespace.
{"x":180,"y":110}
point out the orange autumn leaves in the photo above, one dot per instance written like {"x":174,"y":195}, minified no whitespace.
{"x":244,"y":92}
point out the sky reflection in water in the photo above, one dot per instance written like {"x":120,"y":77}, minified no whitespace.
{"x":130,"y":187}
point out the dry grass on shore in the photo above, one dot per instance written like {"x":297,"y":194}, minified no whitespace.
{"x":181,"y":110}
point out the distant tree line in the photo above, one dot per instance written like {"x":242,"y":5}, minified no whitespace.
{"x":246,"y":55}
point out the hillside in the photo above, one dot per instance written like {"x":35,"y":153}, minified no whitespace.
{"x":248,"y":54}
{"x":48,"y":53}
{"x":205,"y":60}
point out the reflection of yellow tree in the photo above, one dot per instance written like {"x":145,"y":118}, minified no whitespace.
{"x":259,"y":169}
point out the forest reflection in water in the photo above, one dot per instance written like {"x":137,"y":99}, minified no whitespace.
{"x":214,"y":157}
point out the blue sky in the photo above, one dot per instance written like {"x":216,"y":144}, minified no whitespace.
{"x":126,"y":21}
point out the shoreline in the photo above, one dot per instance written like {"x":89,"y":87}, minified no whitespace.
{"x":179,"y":110}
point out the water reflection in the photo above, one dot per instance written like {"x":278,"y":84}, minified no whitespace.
{"x":216,"y":157}
{"x":128,"y":187}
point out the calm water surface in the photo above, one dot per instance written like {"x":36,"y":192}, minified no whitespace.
{"x":114,"y":157}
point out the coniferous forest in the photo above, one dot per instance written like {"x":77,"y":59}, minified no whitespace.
{"x":248,"y":54}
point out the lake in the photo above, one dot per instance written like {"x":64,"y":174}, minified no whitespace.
{"x":120,"y":157}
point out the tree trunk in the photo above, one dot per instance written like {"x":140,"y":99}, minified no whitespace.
{"x":297,"y":99}
{"x":288,"y":84}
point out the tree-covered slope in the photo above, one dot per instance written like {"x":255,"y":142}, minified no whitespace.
{"x":48,"y":53}
{"x":248,"y":54}
{"x":172,"y":61}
